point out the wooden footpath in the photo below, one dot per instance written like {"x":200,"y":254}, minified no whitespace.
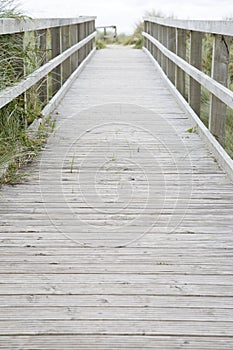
{"x":122,"y":236}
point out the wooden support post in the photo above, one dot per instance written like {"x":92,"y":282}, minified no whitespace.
{"x":171,"y":45}
{"x":181,"y":52}
{"x":153,"y":33}
{"x":84,"y":36}
{"x":56,"y":50}
{"x":160,"y":32}
{"x":164,"y":42}
{"x":89,"y":32}
{"x":146,"y":31}
{"x":92,"y":29}
{"x":81,"y":35}
{"x":41,"y":43}
{"x":149,"y":32}
{"x":196,"y":61}
{"x":220,"y":61}
{"x":65,"y":44}
{"x":73,"y":41}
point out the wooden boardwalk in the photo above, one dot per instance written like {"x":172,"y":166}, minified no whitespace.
{"x":122,"y":237}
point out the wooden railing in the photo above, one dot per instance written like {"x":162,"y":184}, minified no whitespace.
{"x":66,"y":44}
{"x":169,"y":41}
{"x":106,"y":34}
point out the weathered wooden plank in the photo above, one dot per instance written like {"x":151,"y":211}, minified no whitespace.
{"x":205,"y":26}
{"x":118,"y":327}
{"x":105,"y":301}
{"x":107,"y":342}
{"x":11,"y":25}
{"x":174,"y":281}
{"x":115,"y":313}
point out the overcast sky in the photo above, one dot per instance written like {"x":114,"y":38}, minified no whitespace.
{"x":124,"y":13}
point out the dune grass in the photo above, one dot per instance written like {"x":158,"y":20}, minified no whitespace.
{"x":19,"y":56}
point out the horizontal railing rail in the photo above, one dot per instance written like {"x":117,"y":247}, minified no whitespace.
{"x":11,"y":25}
{"x":204,"y":26}
{"x":106,"y":33}
{"x":9,"y":94}
{"x":177,"y":46}
{"x":64,"y":43}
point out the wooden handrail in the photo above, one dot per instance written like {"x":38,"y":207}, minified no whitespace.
{"x":210,"y":84}
{"x":11,"y":25}
{"x":65,"y":42}
{"x":166,"y":40}
{"x":105,"y":31}
{"x":212,"y":27}
{"x":9,"y":94}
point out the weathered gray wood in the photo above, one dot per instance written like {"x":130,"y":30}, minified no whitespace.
{"x":181,"y":52}
{"x":118,"y":327}
{"x":81,"y":35}
{"x":112,"y":342}
{"x":65,"y":44}
{"x":8,"y":94}
{"x":145,"y":27}
{"x":54,"y":102}
{"x":204,"y":26}
{"x":195,"y":60}
{"x":220,"y":61}
{"x":75,"y":270}
{"x":55,"y":52}
{"x":73,"y":41}
{"x":210,"y":84}
{"x":165,"y":43}
{"x":171,"y":45}
{"x":159,"y":57}
{"x":42,"y":39}
{"x":11,"y":26}
{"x":222,"y":157}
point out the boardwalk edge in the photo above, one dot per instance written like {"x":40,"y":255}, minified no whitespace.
{"x":223,"y":159}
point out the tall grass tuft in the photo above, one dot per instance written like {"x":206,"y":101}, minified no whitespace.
{"x":19,"y":56}
{"x":10,"y":9}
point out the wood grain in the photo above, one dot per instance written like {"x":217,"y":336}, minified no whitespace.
{"x":121,"y":237}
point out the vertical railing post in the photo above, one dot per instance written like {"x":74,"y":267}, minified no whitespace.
{"x":164,"y":42}
{"x":85,"y":35}
{"x":73,"y":41}
{"x":81,"y":35}
{"x":56,"y":50}
{"x":152,"y":34}
{"x":220,"y":61}
{"x":156,"y":33}
{"x":181,"y":52}
{"x":146,"y":31}
{"x":92,"y":29}
{"x":160,"y":32}
{"x":41,"y":38}
{"x":171,"y":45}
{"x":149,"y":31}
{"x":196,"y":61}
{"x":65,"y":44}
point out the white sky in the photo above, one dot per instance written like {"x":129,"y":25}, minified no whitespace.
{"x":125,"y":13}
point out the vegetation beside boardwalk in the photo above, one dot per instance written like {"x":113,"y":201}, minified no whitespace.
{"x":19,"y":56}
